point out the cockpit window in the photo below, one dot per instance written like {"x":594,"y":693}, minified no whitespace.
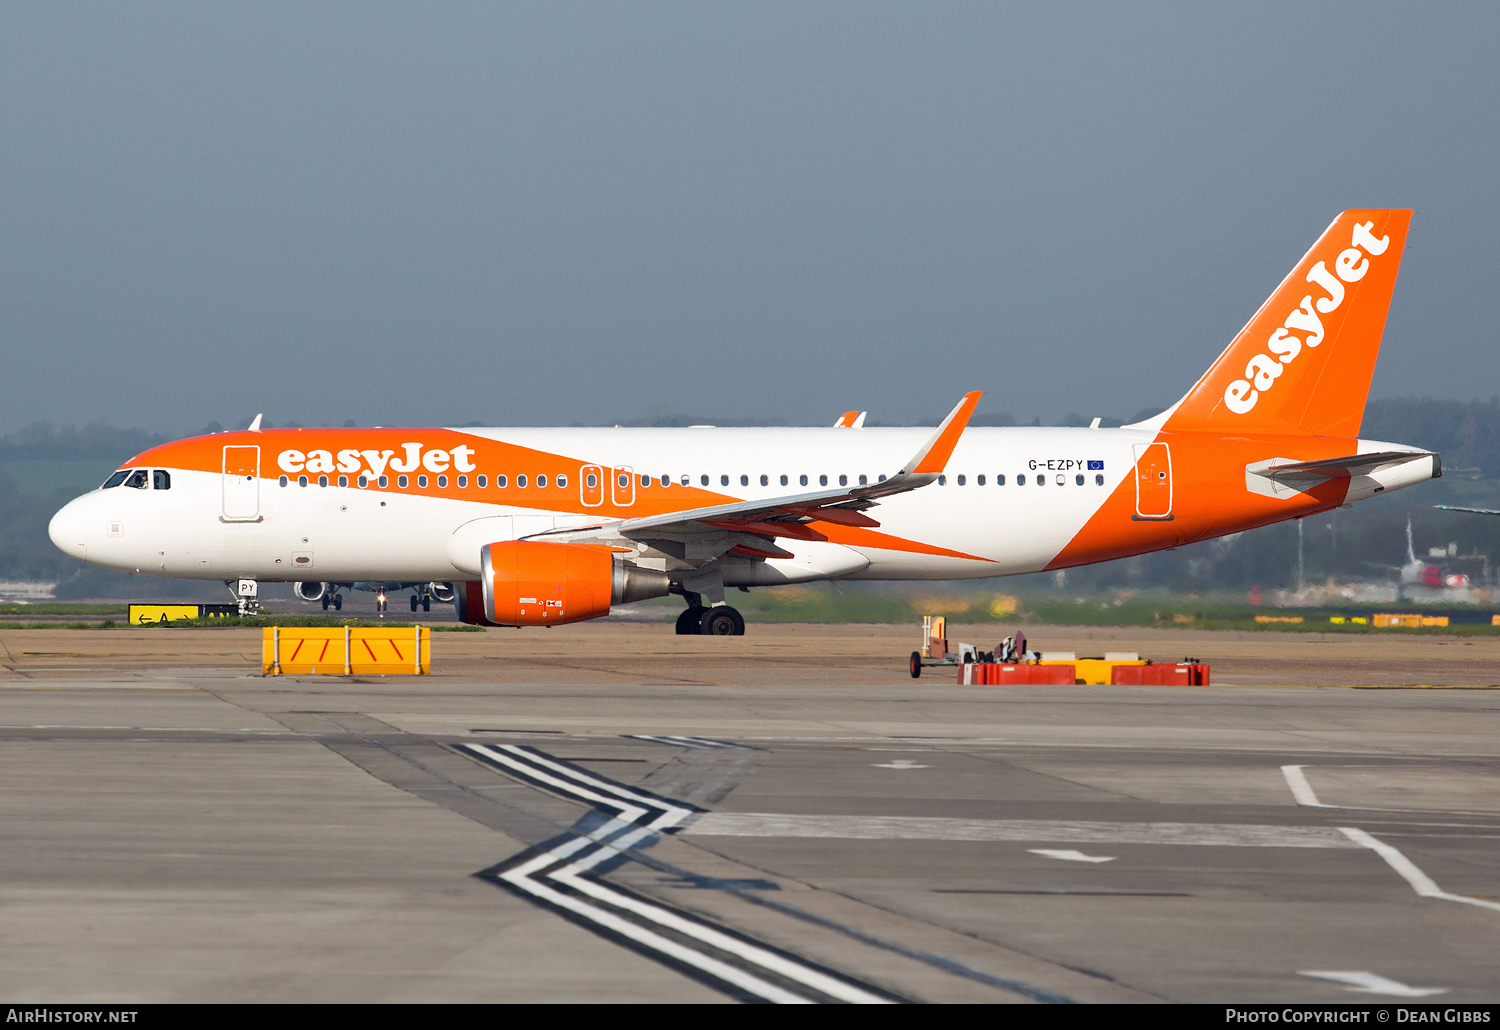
{"x":161,"y":479}
{"x":137,"y":479}
{"x":116,"y":479}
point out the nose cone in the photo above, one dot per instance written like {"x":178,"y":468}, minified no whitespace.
{"x":68,"y":529}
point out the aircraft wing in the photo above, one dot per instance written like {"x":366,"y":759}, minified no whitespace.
{"x":1476,"y":511}
{"x":1335,"y":468}
{"x":788,"y":515}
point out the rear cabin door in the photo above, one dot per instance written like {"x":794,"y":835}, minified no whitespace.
{"x":241,"y":484}
{"x":1153,"y":481}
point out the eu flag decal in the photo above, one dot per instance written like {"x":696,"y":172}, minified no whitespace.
{"x":1096,"y":466}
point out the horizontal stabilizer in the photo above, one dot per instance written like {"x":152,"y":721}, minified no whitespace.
{"x":1336,"y":468}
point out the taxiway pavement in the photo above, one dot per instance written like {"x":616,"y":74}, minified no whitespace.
{"x":612,"y":813}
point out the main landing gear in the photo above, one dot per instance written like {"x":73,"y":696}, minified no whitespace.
{"x":337,"y":600}
{"x":719,"y":621}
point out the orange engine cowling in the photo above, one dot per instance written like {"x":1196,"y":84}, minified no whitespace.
{"x":527,"y":583}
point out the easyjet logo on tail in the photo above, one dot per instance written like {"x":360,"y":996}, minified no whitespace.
{"x":1284,"y":343}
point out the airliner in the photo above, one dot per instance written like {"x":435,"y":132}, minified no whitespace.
{"x":540,"y":527}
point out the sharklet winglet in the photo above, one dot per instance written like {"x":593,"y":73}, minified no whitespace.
{"x":934,"y":455}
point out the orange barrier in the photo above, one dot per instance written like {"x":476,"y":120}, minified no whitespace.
{"x":1170,"y":674}
{"x":994,"y":673}
{"x":346,"y":651}
{"x":1134,"y":673}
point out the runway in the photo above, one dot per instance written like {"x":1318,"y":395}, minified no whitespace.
{"x":611,"y":813}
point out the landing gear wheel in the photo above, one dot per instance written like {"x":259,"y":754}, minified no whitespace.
{"x":427,"y":604}
{"x":338,"y":602}
{"x":916,"y":665}
{"x":689,"y":623}
{"x":413,"y":602}
{"x":722,"y":621}
{"x":325,"y":604}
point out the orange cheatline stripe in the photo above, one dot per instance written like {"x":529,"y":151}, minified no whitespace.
{"x":852,"y":536}
{"x":946,"y":438}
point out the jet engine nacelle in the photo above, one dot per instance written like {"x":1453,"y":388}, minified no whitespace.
{"x":442,"y":593}
{"x":527,"y":583}
{"x":310,"y":591}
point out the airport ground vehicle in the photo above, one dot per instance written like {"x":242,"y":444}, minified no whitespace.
{"x":546,"y":526}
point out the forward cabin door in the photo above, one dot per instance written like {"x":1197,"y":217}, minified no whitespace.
{"x":1153,"y":481}
{"x":241,"y":484}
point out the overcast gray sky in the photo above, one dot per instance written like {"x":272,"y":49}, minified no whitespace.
{"x":553,"y":213}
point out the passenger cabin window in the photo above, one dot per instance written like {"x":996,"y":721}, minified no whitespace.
{"x":704,"y":480}
{"x":363,"y":481}
{"x":283,"y":481}
{"x":541,"y":481}
{"x":979,"y":481}
{"x":562,"y":482}
{"x":864,"y":480}
{"x":322,"y":480}
{"x":160,"y":479}
{"x":942,"y":480}
{"x":645,"y":481}
{"x":666,"y":480}
{"x":520,"y":482}
{"x":302,"y":480}
{"x":686,"y":479}
{"x":1098,"y":480}
{"x":500,"y":482}
{"x":137,"y":479}
{"x":962,"y":481}
{"x":592,"y":481}
{"x":744,"y":481}
{"x":1021,"y":479}
{"x":479,"y":481}
{"x":401,"y":481}
{"x":463,"y":481}
{"x":421,"y":481}
{"x":1000,"y":479}
{"x":442,"y":481}
{"x":384,"y":482}
{"x":1078,"y":480}
{"x":783,"y":480}
{"x":723,"y":480}
{"x":822,"y":480}
{"x":765,"y":480}
{"x":843,"y":480}
{"x":802,"y":480}
{"x":343,"y":480}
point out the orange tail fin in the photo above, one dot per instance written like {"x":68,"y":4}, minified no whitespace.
{"x":1303,"y":363}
